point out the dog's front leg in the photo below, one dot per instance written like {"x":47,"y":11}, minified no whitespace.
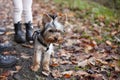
{"x":36,"y":59}
{"x":51,"y":50}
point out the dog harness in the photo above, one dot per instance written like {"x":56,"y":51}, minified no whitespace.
{"x":37,"y":34}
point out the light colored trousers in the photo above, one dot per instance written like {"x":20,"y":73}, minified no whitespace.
{"x":22,"y":7}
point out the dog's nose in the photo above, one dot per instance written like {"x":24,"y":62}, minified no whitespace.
{"x":55,"y":38}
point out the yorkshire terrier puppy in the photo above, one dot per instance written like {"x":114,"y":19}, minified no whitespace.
{"x":50,"y":33}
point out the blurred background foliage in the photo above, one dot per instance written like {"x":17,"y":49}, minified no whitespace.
{"x":107,"y":8}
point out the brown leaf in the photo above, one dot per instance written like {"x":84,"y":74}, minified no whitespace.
{"x":25,"y":56}
{"x":113,"y":33}
{"x":74,"y":62}
{"x":101,"y":18}
{"x":65,"y":62}
{"x":92,"y":61}
{"x":3,"y":78}
{"x":6,"y":74}
{"x":18,"y":68}
{"x":9,"y":33}
{"x":62,"y":53}
{"x":13,"y":72}
{"x":27,"y":46}
{"x":45,"y":73}
{"x":56,"y":74}
{"x":67,"y":74}
{"x":83,"y":63}
{"x":109,"y":43}
{"x":81,"y":73}
{"x":93,"y":43}
{"x":116,"y":65}
{"x":88,"y":48}
{"x":116,"y":57}
{"x":6,"y":53}
{"x":96,"y":32}
{"x":97,"y":76}
{"x":102,"y":62}
{"x":54,"y":64}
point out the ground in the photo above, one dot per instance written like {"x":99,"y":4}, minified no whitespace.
{"x":87,"y":53}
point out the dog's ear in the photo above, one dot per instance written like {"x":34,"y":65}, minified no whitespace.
{"x":54,"y":16}
{"x":46,"y":19}
{"x":62,"y":18}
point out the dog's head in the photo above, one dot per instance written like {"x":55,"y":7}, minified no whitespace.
{"x":52,"y":29}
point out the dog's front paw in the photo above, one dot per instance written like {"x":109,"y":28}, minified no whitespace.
{"x":46,"y":72}
{"x":46,"y":69}
{"x":35,"y":68}
{"x":52,"y":53}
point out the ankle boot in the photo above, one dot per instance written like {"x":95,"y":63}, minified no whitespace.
{"x":29,"y":31}
{"x":19,"y":35}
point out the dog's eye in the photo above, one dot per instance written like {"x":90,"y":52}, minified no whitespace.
{"x":51,"y":31}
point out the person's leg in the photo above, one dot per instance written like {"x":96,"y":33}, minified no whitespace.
{"x":18,"y":7}
{"x":19,"y":37}
{"x":27,"y":11}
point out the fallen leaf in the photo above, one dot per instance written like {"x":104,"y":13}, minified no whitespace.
{"x":67,"y":74}
{"x":102,"y":24}
{"x":6,"y":52}
{"x":113,"y":33}
{"x":6,"y":73}
{"x":97,"y":76}
{"x":27,"y":46}
{"x":3,"y":78}
{"x":9,"y":33}
{"x":116,"y":65}
{"x":74,"y":62}
{"x":101,"y":61}
{"x":92,"y":61}
{"x":62,"y":53}
{"x":101,"y":18}
{"x":25,"y":56}
{"x":88,"y":48}
{"x":65,"y":62}
{"x":18,"y":68}
{"x":83,"y":63}
{"x":13,"y":72}
{"x":93,"y":43}
{"x":56,"y":74}
{"x":109,"y":43}
{"x":45,"y":73}
{"x":54,"y":64}
{"x":116,"y":57}
{"x":81,"y":73}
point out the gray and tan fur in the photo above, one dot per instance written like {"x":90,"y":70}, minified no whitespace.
{"x":43,"y":39}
